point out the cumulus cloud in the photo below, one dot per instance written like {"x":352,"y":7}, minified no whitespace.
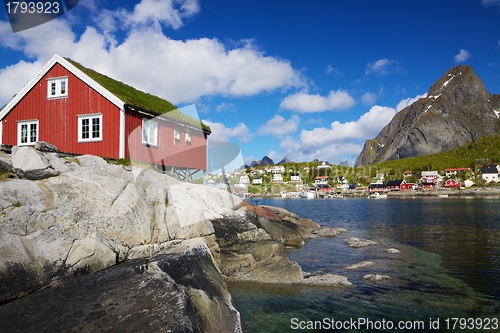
{"x":340,"y":140}
{"x":16,"y":75}
{"x":305,"y":103}
{"x":381,"y":67}
{"x":160,"y":12}
{"x":463,"y":55}
{"x":409,"y":101}
{"x":221,"y":133}
{"x":368,"y":98}
{"x":279,"y":127}
{"x":180,"y":71}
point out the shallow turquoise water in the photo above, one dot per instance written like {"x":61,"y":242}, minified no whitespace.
{"x":449,"y":266}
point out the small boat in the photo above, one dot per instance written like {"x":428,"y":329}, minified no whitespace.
{"x":377,"y":195}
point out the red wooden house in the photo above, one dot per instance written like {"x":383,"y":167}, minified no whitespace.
{"x":84,"y":112}
{"x":452,"y":183}
{"x":399,"y":185}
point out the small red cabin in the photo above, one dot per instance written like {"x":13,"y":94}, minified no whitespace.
{"x":452,"y":183}
{"x":84,"y":112}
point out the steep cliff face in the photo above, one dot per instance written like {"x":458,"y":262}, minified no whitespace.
{"x":457,"y":110}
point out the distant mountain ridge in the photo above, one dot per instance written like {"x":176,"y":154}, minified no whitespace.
{"x":266,"y":160}
{"x":457,"y":110}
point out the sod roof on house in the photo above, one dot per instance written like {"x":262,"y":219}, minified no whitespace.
{"x":140,"y":100}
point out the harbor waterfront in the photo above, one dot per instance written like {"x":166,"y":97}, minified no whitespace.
{"x":448,"y":267}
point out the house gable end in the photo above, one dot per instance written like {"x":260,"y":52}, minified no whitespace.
{"x":57,"y":59}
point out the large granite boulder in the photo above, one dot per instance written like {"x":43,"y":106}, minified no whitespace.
{"x":94,"y":215}
{"x":28,"y":163}
{"x":252,"y":249}
{"x":178,"y":289}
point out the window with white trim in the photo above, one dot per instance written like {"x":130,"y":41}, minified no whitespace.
{"x":57,"y":88}
{"x":177,"y":135}
{"x":188,"y":137}
{"x":149,"y":132}
{"x":90,"y":128}
{"x":27,"y":132}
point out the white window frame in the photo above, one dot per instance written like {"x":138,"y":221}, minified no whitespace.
{"x":60,"y":85}
{"x":89,"y":117}
{"x":27,"y":123}
{"x":149,"y":132}
{"x":188,"y":137}
{"x":177,"y":135}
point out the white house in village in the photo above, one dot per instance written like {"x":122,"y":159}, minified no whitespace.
{"x":324,"y":166}
{"x":277,"y":178}
{"x":257,"y":172}
{"x":490,"y":172}
{"x":257,"y":181}
{"x":430,"y":177}
{"x":276,"y":169}
{"x":379,"y":178}
{"x":450,"y":172}
{"x":295,"y":178}
{"x":244,"y":180}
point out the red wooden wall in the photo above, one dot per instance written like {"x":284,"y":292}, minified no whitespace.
{"x":169,"y":152}
{"x":58,"y":125}
{"x":58,"y":118}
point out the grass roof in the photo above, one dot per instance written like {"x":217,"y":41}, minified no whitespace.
{"x":140,"y":100}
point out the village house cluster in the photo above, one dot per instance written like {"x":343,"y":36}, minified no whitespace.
{"x":324,"y":183}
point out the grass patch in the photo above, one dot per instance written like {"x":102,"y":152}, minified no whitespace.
{"x":120,"y":161}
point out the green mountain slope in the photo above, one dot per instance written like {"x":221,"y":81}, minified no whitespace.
{"x":482,"y":151}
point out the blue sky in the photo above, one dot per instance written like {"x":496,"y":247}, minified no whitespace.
{"x":302,"y":79}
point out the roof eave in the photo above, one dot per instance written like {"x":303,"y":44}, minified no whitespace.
{"x":155,"y":114}
{"x":56,"y":58}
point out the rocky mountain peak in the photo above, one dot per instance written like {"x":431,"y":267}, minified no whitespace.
{"x":266,"y":160}
{"x":459,"y":85}
{"x":457,"y":110}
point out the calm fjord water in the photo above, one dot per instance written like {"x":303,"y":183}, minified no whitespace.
{"x":449,"y":265}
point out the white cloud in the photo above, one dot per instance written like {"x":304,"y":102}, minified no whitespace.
{"x":330,"y":69}
{"x":381,"y":67}
{"x":463,"y":55}
{"x":226,"y":107}
{"x":221,"y":133}
{"x":272,"y":155}
{"x":279,"y":127}
{"x":305,"y":103}
{"x":157,"y":13}
{"x":409,"y":101}
{"x":162,"y":12}
{"x":368,"y":98}
{"x":339,"y":142}
{"x":16,"y":75}
{"x":488,"y":3}
{"x":179,"y":71}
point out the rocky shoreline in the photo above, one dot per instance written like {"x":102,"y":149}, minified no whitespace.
{"x":90,"y":246}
